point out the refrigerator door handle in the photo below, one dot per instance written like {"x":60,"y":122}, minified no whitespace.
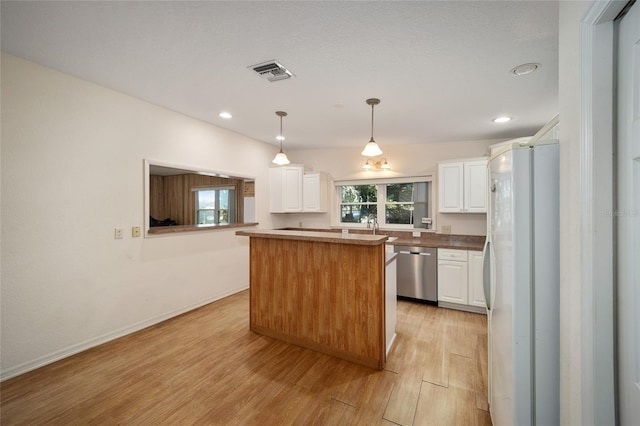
{"x":486,"y":273}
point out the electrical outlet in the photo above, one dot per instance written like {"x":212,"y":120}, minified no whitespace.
{"x":445,"y":229}
{"x":345,"y":231}
{"x":135,"y":231}
{"x":119,"y":233}
{"x":416,"y":234}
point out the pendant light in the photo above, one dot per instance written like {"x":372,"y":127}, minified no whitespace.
{"x":372,"y":149}
{"x":281,"y":158}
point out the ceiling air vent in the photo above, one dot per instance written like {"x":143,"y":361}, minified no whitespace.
{"x":271,"y":70}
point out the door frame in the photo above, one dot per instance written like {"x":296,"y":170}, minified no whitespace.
{"x":597,"y":194}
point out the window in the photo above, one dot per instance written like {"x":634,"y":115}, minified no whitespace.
{"x":215,"y":206}
{"x":358,"y":203}
{"x":395,"y":203}
{"x":399,"y":204}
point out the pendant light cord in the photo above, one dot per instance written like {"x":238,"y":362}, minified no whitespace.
{"x":372,"y":105}
{"x":281,"y":138}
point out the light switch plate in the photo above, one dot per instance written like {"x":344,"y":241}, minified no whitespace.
{"x":445,"y":229}
{"x":119,"y":233}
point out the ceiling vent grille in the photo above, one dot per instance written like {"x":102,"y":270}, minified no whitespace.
{"x":272,"y":71}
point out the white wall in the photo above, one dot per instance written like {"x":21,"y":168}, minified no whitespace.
{"x":72,"y":171}
{"x":405,"y":160}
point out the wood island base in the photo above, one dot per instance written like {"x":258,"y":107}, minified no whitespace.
{"x":321,"y":291}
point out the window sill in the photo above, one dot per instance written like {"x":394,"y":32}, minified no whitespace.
{"x":163,"y":230}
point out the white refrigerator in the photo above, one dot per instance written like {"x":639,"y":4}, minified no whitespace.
{"x":521,"y":283}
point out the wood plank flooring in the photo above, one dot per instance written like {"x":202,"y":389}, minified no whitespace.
{"x":206,"y":368}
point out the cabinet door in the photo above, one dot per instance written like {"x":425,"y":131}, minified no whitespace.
{"x":476,"y":291}
{"x":285,"y":185}
{"x":450,"y":187}
{"x":275,"y":190}
{"x":475,"y":186}
{"x":292,"y":189}
{"x":314,"y":192}
{"x":452,"y":282}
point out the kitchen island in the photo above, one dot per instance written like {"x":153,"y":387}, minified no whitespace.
{"x":323,"y":291}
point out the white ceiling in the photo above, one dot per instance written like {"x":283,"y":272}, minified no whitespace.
{"x":441,"y":68}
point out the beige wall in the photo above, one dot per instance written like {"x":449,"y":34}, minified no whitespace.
{"x":405,"y":160}
{"x":72,"y":171}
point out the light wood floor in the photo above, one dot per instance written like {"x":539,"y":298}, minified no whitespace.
{"x":205,"y":367}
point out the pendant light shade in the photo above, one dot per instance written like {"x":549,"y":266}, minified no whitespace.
{"x":281,"y":158}
{"x":372,"y":149}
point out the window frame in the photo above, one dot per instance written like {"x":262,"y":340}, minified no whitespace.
{"x":381,"y":185}
{"x":368,"y":203}
{"x":216,"y":210}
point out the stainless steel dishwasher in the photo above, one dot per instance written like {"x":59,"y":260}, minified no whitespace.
{"x":417,"y":270}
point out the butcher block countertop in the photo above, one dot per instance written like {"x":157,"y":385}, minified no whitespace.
{"x":327,"y":237}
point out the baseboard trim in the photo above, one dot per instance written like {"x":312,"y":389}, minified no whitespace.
{"x":467,"y":308}
{"x":91,"y":343}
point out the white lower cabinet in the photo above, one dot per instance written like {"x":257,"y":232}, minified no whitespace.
{"x":452,"y":281}
{"x":476,"y":290}
{"x":460,"y":280}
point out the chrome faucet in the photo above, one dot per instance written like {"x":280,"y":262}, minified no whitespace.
{"x":372,"y":218}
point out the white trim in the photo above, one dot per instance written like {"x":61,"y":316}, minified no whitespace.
{"x":200,"y":169}
{"x":546,"y":128}
{"x":596,"y":189}
{"x":520,"y":145}
{"x":462,"y":160}
{"x":384,"y":181}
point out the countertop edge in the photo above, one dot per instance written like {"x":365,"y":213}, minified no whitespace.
{"x":325,"y":237}
{"x":437,"y":244}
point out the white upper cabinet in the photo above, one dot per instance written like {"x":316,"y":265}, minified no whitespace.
{"x":294,"y":191}
{"x":475,"y":186}
{"x":314,"y":192}
{"x":462,"y":186}
{"x":451,"y":188}
{"x":285,"y":185}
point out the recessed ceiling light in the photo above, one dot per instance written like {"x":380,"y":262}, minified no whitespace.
{"x":225,"y":115}
{"x":503,"y":119}
{"x":525,"y":69}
